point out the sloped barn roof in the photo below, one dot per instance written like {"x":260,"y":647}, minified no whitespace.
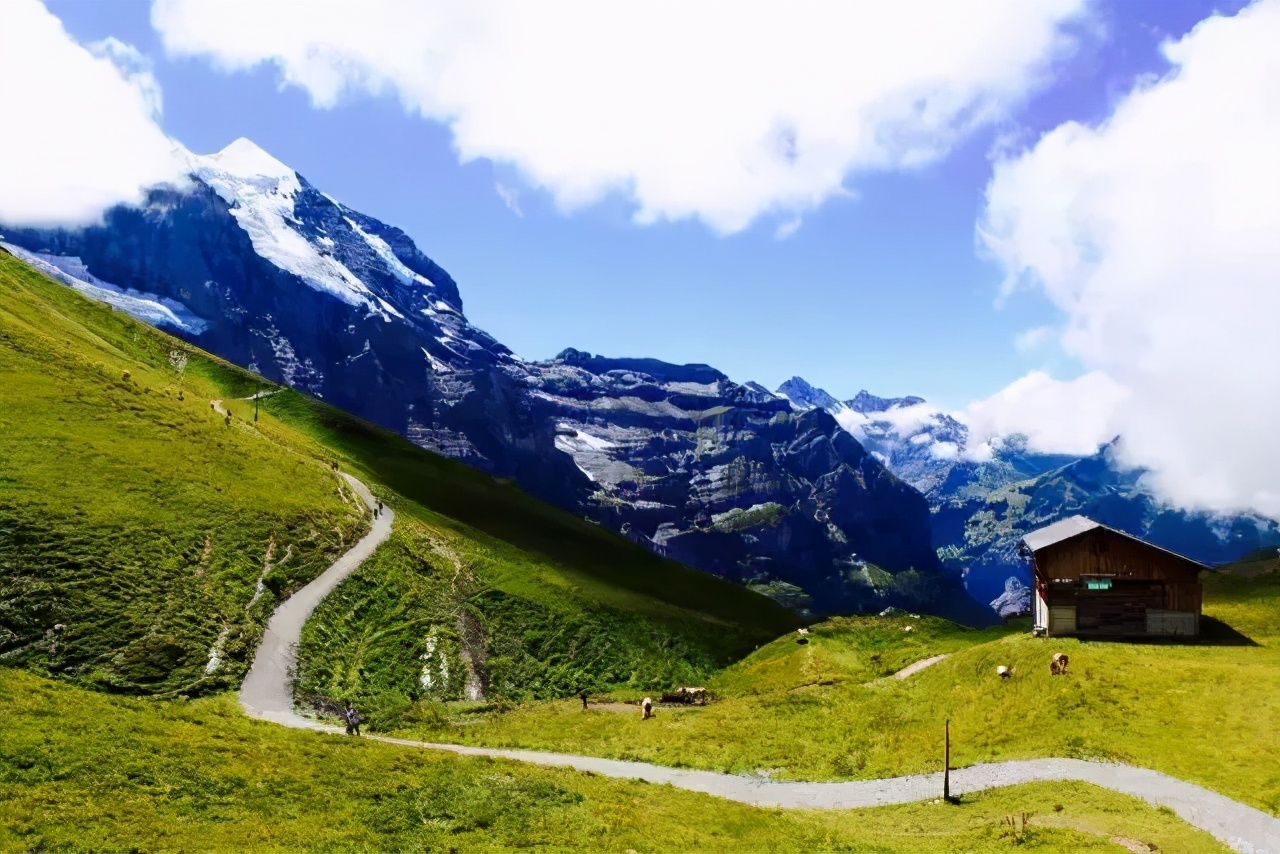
{"x":1070,"y":527}
{"x":1074,"y":526}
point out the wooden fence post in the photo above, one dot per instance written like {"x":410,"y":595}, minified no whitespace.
{"x":946,"y":761}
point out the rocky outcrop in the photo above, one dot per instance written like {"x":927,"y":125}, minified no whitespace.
{"x":731,"y":480}
{"x":1014,"y":601}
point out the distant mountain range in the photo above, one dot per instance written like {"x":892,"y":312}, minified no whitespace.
{"x":981,"y":508}
{"x":827,"y":505}
{"x":252,"y":262}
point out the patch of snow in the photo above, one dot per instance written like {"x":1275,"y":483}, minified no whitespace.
{"x":436,"y":365}
{"x":565,"y":444}
{"x":149,"y":308}
{"x":261,"y":192}
{"x":388,"y":256}
{"x":593,"y":442}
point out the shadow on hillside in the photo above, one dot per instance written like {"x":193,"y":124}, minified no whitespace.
{"x":1213,"y":632}
{"x":1217,"y":633}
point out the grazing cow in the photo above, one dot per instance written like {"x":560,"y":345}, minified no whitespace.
{"x":1003,"y":672}
{"x":686,"y":695}
{"x":1059,"y":663}
{"x":647,"y":705}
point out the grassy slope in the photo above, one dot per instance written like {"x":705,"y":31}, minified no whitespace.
{"x":558,"y":603}
{"x":1209,"y":712}
{"x":135,"y":523}
{"x":87,"y":771}
{"x":112,"y":488}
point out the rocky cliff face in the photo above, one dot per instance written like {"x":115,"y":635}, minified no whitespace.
{"x":730,"y":479}
{"x":254,"y":263}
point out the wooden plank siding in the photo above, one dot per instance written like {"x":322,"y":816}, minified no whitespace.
{"x":1131,"y":579}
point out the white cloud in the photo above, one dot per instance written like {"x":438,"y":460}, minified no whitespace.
{"x":721,"y":112}
{"x":1033,"y":339}
{"x":80,"y":132}
{"x":1157,"y":234}
{"x":787,"y":228}
{"x":510,"y":197}
{"x":1066,"y":417}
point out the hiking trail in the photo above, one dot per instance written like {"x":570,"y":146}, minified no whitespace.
{"x":267,"y":693}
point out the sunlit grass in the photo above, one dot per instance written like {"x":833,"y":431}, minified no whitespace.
{"x":86,"y":771}
{"x":1208,"y":713}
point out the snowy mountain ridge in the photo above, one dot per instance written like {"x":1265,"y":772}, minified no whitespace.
{"x":252,"y":262}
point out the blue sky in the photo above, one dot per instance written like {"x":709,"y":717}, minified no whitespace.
{"x":884,"y":291}
{"x":1053,"y":218}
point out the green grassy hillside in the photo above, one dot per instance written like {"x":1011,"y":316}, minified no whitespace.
{"x":543,"y":603}
{"x":1207,"y":712}
{"x":135,"y":522}
{"x":84,"y":771}
{"x":143,"y":535}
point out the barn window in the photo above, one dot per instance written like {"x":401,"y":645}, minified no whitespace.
{"x":1098,"y":584}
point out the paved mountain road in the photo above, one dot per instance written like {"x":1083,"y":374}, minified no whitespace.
{"x":267,"y":694}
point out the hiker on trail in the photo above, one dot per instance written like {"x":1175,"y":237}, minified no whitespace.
{"x":353,"y":721}
{"x":583,"y":695}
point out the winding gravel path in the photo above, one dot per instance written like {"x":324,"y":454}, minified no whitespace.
{"x":266,"y":694}
{"x":267,"y":691}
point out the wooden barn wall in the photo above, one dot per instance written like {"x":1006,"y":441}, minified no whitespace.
{"x":1104,"y":553}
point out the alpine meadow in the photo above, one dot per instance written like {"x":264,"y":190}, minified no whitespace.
{"x":640,"y":427}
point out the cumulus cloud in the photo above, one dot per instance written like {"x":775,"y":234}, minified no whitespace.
{"x":1057,"y":416}
{"x":1157,"y":233}
{"x":81,"y":131}
{"x":720,"y":112}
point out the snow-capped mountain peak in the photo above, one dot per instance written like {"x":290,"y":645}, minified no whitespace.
{"x":244,"y":158}
{"x":803,"y":395}
{"x":330,"y":247}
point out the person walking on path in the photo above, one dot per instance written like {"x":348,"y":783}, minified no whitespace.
{"x":353,"y":721}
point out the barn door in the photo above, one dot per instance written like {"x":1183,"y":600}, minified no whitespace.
{"x":1062,"y":620}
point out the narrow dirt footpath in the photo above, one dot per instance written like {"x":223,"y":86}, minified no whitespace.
{"x":916,"y":667}
{"x":267,"y":693}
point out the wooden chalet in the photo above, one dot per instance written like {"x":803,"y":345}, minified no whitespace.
{"x":1095,"y":581}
